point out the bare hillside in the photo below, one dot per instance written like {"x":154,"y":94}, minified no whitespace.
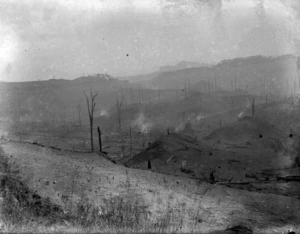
{"x":66,"y":176}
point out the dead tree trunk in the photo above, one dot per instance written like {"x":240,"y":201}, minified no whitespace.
{"x":79,"y":109}
{"x":208,"y":86}
{"x":253,"y":107}
{"x":235,"y":86}
{"x":159,"y":95}
{"x":91,"y":105}
{"x":131,"y":93}
{"x":130,"y":141}
{"x":215,"y":83}
{"x":100,"y":141}
{"x":119,"y":104}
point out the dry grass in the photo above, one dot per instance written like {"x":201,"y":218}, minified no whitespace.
{"x":23,"y":210}
{"x":93,"y":195}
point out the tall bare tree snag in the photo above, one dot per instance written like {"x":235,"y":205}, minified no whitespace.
{"x":130,"y":136}
{"x":215,"y":83}
{"x":235,"y":85}
{"x":119,"y":104}
{"x":91,"y":105}
{"x":253,"y":107}
{"x":158,"y":95}
{"x":100,"y":141}
{"x":131,"y":94}
{"x":79,"y":109}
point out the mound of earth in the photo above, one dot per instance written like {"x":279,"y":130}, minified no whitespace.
{"x":241,"y":167}
{"x":248,"y":131}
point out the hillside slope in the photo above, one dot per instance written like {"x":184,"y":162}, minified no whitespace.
{"x":194,"y":206}
{"x":230,"y":155}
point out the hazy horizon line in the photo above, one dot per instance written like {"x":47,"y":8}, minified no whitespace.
{"x":156,"y":71}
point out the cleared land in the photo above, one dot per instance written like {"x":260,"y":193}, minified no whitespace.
{"x":191,"y":205}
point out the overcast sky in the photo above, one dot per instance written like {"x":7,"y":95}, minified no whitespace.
{"x":42,"y":39}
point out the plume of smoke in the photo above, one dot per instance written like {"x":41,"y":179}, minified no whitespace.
{"x":143,"y":123}
{"x":3,"y":134}
{"x":199,"y":117}
{"x":240,"y":115}
{"x":192,"y":119}
{"x":104,"y":113}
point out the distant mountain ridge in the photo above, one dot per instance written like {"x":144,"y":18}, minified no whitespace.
{"x":56,"y":98}
{"x":169,"y":68}
{"x":259,"y":75}
{"x":96,"y":77}
{"x":183,"y":65}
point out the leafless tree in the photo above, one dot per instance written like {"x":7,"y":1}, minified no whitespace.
{"x":130,"y":136}
{"x":119,"y":105}
{"x":79,"y":109}
{"x":252,"y":100}
{"x":100,"y":140}
{"x":91,"y":105}
{"x":253,"y":107}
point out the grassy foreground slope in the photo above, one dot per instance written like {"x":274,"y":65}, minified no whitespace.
{"x":167,"y":203}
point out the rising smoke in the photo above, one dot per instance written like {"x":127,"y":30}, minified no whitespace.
{"x":143,"y":124}
{"x":104,"y":113}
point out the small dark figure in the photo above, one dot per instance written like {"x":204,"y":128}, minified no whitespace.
{"x":260,"y":136}
{"x":149,"y":164}
{"x":291,"y":135}
{"x":212,"y":178}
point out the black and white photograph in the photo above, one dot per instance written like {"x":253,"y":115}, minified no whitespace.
{"x":150,"y":116}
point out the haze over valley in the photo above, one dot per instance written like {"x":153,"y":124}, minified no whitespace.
{"x":150,"y":116}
